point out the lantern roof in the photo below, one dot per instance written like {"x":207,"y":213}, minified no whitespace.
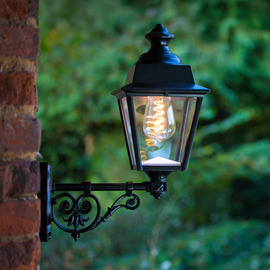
{"x":159,"y":70}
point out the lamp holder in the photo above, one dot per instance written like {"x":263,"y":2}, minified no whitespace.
{"x":75,"y":209}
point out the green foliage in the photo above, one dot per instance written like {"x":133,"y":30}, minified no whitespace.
{"x":227,"y":245}
{"x":215,"y":247}
{"x":86,"y":50}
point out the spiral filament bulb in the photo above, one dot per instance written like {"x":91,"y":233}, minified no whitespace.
{"x":159,"y":122}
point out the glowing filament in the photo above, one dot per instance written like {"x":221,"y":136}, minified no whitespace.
{"x":159,"y":120}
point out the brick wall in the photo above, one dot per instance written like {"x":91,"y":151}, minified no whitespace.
{"x":20,"y":135}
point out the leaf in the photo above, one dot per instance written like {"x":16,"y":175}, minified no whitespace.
{"x":140,"y":109}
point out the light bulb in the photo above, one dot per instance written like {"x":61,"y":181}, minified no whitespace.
{"x":159,"y":122}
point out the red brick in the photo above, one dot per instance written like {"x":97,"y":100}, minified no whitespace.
{"x":17,"y":88}
{"x":21,"y":41}
{"x":20,"y":135}
{"x":20,"y":256}
{"x":19,"y":9}
{"x":19,"y":178}
{"x":19,"y":217}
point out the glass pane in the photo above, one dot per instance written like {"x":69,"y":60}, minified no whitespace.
{"x":186,"y":108}
{"x":125,"y":116}
{"x":163,"y":126}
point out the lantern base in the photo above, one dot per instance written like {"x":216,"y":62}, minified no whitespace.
{"x":158,"y":184}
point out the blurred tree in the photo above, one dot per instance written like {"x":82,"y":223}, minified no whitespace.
{"x":86,"y":50}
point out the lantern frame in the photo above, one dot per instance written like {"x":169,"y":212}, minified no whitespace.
{"x":158,"y":73}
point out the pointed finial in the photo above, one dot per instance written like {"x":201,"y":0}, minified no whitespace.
{"x":159,"y":36}
{"x":159,"y":53}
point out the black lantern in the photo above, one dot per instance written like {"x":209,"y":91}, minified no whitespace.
{"x":159,"y":105}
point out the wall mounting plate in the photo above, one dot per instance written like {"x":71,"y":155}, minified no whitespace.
{"x":45,"y":198}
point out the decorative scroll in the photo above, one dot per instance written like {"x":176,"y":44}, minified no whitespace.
{"x":77,"y":208}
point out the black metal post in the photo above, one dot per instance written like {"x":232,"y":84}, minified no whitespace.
{"x":100,"y":187}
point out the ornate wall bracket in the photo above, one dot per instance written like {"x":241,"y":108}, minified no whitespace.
{"x":75,"y":210}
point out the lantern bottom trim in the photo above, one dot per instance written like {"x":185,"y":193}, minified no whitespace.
{"x":159,"y":161}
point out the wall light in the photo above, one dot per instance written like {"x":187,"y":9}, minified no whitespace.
{"x":159,"y":106}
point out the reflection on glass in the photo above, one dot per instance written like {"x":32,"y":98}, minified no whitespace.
{"x":163,"y":143}
{"x":125,"y":116}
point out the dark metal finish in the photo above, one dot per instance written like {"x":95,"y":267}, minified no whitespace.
{"x":161,"y":74}
{"x":159,"y":52}
{"x":79,"y":208}
{"x":75,"y":209}
{"x":45,"y":198}
{"x":150,"y":79}
{"x":158,"y":184}
{"x":100,"y":187}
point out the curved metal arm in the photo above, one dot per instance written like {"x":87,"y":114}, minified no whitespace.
{"x":74,"y":208}
{"x":78,"y":207}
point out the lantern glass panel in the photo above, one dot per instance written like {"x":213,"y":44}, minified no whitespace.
{"x":128,"y":134}
{"x":163,"y":127}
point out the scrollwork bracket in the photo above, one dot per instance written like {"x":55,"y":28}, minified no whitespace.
{"x":77,"y":211}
